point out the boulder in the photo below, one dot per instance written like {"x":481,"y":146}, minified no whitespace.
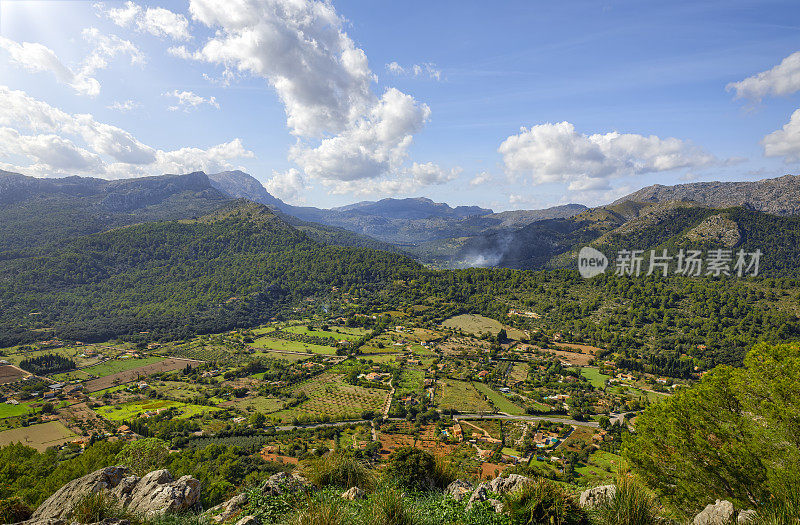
{"x":508,"y":484}
{"x":353,"y":493}
{"x":459,"y":489}
{"x":746,"y":516}
{"x":158,"y":492}
{"x":225,"y":511}
{"x":593,"y":497}
{"x":282,"y":483}
{"x":248,"y":520}
{"x":59,"y":506}
{"x":718,"y":513}
{"x":496,"y":504}
{"x":481,"y":493}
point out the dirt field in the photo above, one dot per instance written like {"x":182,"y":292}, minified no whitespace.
{"x":127,"y":376}
{"x":38,"y":436}
{"x":585,"y":349}
{"x":10,"y":374}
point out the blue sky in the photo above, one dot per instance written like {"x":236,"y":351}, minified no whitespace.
{"x":503,"y":104}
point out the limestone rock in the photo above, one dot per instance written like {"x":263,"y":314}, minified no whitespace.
{"x":248,"y":520}
{"x":59,"y":506}
{"x":592,"y":497}
{"x":459,"y":489}
{"x":225,"y":511}
{"x":497,"y":505}
{"x":282,"y":483}
{"x":481,"y":493}
{"x":158,"y":492}
{"x":353,"y":493}
{"x":719,"y":513}
{"x":508,"y":484}
{"x":746,"y":516}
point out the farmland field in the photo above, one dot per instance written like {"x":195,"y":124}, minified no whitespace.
{"x":280,"y":355}
{"x":338,"y":333}
{"x":329,"y":395}
{"x":132,"y":374}
{"x":7,"y":410}
{"x":501,"y":402}
{"x":38,"y":436}
{"x":269,"y":343}
{"x":594,"y":376}
{"x":476,"y":324}
{"x":127,"y":411}
{"x":410,"y":381}
{"x":461,"y":396}
{"x":262,"y":404}
{"x":106,"y":368}
{"x":10,"y":374}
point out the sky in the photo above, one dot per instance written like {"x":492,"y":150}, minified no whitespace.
{"x":506,"y":105}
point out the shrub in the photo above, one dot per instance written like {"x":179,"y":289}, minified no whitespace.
{"x":143,"y":455}
{"x":413,"y":468}
{"x":632,"y":504}
{"x":542,"y":501}
{"x":386,"y":507}
{"x":321,"y":513}
{"x":13,"y":510}
{"x":97,"y":506}
{"x":338,"y":469}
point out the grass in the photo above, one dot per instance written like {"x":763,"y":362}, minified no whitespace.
{"x":7,"y":410}
{"x":411,"y":380}
{"x":338,"y":333}
{"x":127,"y":411}
{"x":600,"y":468}
{"x":501,"y":402}
{"x":38,"y":436}
{"x":278,"y":355}
{"x":461,"y":396}
{"x":293,"y":346}
{"x":477,"y":324}
{"x":594,"y":376}
{"x":261,"y":404}
{"x":107,"y":368}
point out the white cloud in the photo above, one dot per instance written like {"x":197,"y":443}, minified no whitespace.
{"x":38,"y":57}
{"x":407,"y":182}
{"x":157,"y":21}
{"x":430,"y":173}
{"x":784,"y":142}
{"x":125,"y":106}
{"x":783,"y":79}
{"x":288,"y":186}
{"x":427,"y":69}
{"x":48,"y":137}
{"x":345,"y":131}
{"x":187,"y":101}
{"x":480,"y":179}
{"x":558,"y":153}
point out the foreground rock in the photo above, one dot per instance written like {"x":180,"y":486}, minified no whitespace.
{"x":155,"y":493}
{"x":593,"y":497}
{"x":719,"y":513}
{"x":353,"y":493}
{"x":225,"y":511}
{"x":283,"y":483}
{"x":501,"y":485}
{"x":459,"y":489}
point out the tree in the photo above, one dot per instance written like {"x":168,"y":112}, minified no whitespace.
{"x":144,"y":455}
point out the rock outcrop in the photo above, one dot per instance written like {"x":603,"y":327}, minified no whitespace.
{"x":718,"y":513}
{"x":155,"y":493}
{"x":459,"y":489}
{"x":593,"y":497}
{"x":353,"y":493}
{"x":500,"y":485}
{"x":282,"y":483}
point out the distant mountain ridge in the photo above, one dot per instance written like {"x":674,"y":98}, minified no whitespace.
{"x":777,"y":196}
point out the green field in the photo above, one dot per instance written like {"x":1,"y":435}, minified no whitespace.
{"x":461,"y":396}
{"x":108,"y":368}
{"x":262,"y":404}
{"x":600,"y":468}
{"x":594,"y":376}
{"x":501,"y":402}
{"x":269,"y":343}
{"x":279,"y":355}
{"x":411,"y":381}
{"x":477,"y":324}
{"x":7,"y":410}
{"x":329,"y":395}
{"x":127,"y":411}
{"x":338,"y":333}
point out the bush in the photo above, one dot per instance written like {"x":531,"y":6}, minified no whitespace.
{"x":386,"y":507}
{"x":632,"y":504}
{"x":97,"y":506}
{"x":542,"y":501}
{"x":321,"y":513}
{"x":13,"y":510}
{"x":417,"y":469}
{"x":338,"y":469}
{"x":143,"y":455}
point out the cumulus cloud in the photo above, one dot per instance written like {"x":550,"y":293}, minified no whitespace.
{"x":157,"y":21}
{"x":783,"y":79}
{"x":124,"y":106}
{"x":480,"y":179}
{"x":345,"y":130}
{"x":287,"y":186}
{"x":188,"y":101}
{"x":56,"y":143}
{"x":784,"y":142}
{"x":40,"y":58}
{"x":558,"y":153}
{"x":426,"y":70}
{"x":406,"y":182}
